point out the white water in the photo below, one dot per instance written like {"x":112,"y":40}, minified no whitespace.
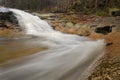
{"x":67,"y":58}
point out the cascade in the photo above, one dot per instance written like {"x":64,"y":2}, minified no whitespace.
{"x":67,"y":58}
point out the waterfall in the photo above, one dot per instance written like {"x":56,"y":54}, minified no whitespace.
{"x":67,"y":58}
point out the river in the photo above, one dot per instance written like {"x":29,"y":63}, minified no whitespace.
{"x":67,"y":56}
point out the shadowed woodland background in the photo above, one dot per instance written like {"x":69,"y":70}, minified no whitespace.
{"x":85,"y":6}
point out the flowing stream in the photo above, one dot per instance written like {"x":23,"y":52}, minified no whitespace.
{"x":67,"y":57}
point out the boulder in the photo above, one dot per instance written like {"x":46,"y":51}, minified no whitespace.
{"x":104,"y":30}
{"x":8,"y":16}
{"x":8,"y":20}
{"x":69,"y":25}
{"x":115,"y":13}
{"x":78,"y":25}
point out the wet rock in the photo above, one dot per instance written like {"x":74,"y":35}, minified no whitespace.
{"x":8,"y":16}
{"x":114,"y":22}
{"x":116,"y":13}
{"x":8,"y":20}
{"x":69,"y":25}
{"x":9,"y":24}
{"x":104,"y":30}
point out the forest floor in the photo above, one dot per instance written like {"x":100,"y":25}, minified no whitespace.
{"x":85,"y":25}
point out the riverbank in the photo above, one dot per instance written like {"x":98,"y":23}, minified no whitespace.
{"x":86,"y":25}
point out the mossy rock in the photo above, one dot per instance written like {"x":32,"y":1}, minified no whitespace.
{"x":114,"y":12}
